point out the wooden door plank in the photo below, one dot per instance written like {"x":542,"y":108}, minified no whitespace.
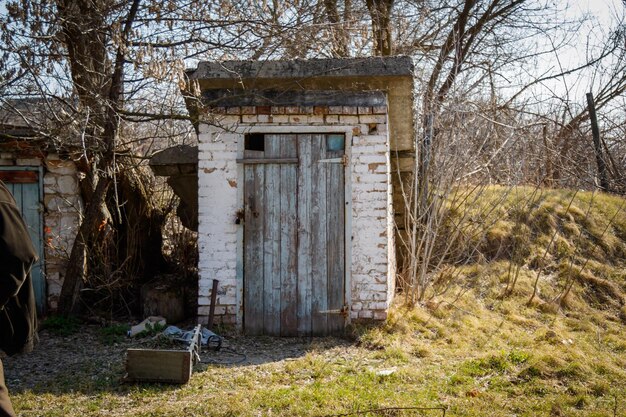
{"x":288,"y":242}
{"x":335,"y":210}
{"x":32,"y":218}
{"x":19,"y":177}
{"x":271,"y":239}
{"x":304,"y":235}
{"x":319,"y":275}
{"x":247,"y":161}
{"x":253,"y":249}
{"x":26,"y":194}
{"x":17,"y":194}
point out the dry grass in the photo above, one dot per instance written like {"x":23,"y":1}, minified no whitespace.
{"x":471,"y":347}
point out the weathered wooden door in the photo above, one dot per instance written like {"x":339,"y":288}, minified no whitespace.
{"x":294,"y":239}
{"x":24,"y":183}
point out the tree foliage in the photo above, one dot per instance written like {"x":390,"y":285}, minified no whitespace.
{"x":110,"y":74}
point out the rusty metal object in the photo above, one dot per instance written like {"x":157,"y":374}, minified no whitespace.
{"x":212,"y":307}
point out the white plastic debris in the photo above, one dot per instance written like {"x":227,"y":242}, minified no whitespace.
{"x":386,"y":372}
{"x":149,"y":322}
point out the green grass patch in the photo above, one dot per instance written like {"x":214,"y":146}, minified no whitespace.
{"x":61,"y":326}
{"x":113,"y":333}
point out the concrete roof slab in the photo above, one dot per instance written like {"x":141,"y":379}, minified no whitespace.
{"x":393,"y":75}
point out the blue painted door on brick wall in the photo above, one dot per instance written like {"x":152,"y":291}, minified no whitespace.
{"x":27,"y":193}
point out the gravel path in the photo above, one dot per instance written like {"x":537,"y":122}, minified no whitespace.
{"x":64,"y":358}
{"x":68,"y":363}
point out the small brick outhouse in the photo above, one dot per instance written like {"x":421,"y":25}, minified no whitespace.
{"x":44,"y":183}
{"x":295,"y":199}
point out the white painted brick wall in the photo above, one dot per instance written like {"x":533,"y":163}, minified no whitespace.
{"x":62,"y":220}
{"x":217,"y":206}
{"x":372,"y":267}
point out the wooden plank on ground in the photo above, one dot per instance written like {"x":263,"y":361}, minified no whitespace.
{"x":304,"y":235}
{"x":288,"y":240}
{"x":157,"y":365}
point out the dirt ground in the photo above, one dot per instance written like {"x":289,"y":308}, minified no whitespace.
{"x":60,"y":361}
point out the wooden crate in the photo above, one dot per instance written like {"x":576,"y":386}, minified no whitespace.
{"x":161,"y":365}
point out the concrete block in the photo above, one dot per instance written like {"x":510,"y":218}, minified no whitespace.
{"x":373,"y":139}
{"x":379,"y":305}
{"x":67,"y":184}
{"x":278,"y":110}
{"x":204,"y":310}
{"x":218,"y":110}
{"x":380,"y":315}
{"x":331,"y":118}
{"x":335,"y":109}
{"x":373,"y":119}
{"x":61,"y":167}
{"x":249,"y":118}
{"x":228,"y":121}
{"x":28,"y":161}
{"x":349,"y":119}
{"x":366,"y":314}
{"x":379,"y":109}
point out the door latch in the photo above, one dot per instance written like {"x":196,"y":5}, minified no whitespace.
{"x":343,"y":160}
{"x":343,"y":311}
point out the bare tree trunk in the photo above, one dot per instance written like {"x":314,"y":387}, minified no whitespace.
{"x":77,"y":266}
{"x":339,"y":35}
{"x":604,"y":182}
{"x":380,"y":13}
{"x":548,"y":177}
{"x":76,"y":274}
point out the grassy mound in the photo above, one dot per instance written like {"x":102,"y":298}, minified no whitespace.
{"x":499,"y":349}
{"x":571,"y":243}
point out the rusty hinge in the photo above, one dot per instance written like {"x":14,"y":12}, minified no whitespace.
{"x":343,"y":311}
